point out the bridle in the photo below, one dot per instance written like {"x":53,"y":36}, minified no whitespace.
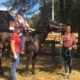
{"x":56,"y":27}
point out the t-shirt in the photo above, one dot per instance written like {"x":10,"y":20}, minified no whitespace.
{"x":23,"y":21}
{"x":67,"y":42}
{"x":17,"y":40}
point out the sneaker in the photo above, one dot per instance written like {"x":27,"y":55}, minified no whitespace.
{"x":66,"y":75}
{"x":69,"y":75}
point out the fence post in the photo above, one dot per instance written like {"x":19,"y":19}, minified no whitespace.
{"x":53,"y":50}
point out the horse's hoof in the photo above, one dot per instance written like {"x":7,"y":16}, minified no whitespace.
{"x":33,"y":73}
{"x":25,"y":73}
{"x":2,"y":74}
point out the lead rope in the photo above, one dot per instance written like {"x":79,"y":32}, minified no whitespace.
{"x":70,"y":56}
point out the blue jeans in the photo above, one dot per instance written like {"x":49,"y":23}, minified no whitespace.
{"x":15,"y":64}
{"x":22,"y":37}
{"x":22,"y":41}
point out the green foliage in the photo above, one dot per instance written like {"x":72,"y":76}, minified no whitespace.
{"x":71,"y":13}
{"x":75,"y":15}
{"x":46,"y":10}
{"x":35,"y":20}
{"x":68,"y":13}
{"x":57,"y":10}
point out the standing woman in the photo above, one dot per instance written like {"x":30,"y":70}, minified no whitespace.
{"x":68,"y":41}
{"x":15,"y":50}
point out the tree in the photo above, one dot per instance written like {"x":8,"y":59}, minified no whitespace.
{"x":35,"y":20}
{"x":66,"y":11}
{"x":61,"y":10}
{"x":16,"y":4}
{"x":46,"y":10}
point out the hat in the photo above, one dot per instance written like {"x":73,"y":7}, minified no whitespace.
{"x":22,"y":9}
{"x":17,"y":27}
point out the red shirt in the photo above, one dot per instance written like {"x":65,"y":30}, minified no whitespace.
{"x":17,"y":40}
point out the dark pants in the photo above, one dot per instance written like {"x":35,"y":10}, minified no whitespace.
{"x":15,"y":64}
{"x":67,"y":60}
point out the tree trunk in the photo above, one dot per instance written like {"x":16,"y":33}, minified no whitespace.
{"x":61,"y":10}
{"x":67,"y":11}
{"x":53,"y":9}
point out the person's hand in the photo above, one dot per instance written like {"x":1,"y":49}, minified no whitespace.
{"x":20,"y":34}
{"x":15,"y":56}
{"x":30,"y":29}
{"x":70,"y":48}
{"x":33,"y":29}
{"x":22,"y":52}
{"x":61,"y":44}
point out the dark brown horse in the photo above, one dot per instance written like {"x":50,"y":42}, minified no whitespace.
{"x":38,"y":37}
{"x":4,"y":38}
{"x":5,"y":19}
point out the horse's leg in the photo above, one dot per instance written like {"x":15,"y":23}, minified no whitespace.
{"x":33,"y":63}
{"x":0,"y":63}
{"x":29,"y":59}
{"x":3,"y":52}
{"x":1,"y":71}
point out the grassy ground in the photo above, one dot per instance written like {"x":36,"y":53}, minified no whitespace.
{"x":46,"y":69}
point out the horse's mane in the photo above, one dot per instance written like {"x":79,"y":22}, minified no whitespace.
{"x":53,"y":22}
{"x":42,"y":26}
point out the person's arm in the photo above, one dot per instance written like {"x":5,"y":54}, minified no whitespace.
{"x":13,"y":49}
{"x":74,"y":39}
{"x":20,"y":22}
{"x":61,"y":40}
{"x":74,"y":42}
{"x":28,"y":27}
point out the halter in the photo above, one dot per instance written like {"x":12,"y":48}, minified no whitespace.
{"x":56,"y":27}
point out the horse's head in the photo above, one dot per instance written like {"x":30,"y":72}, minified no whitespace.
{"x":55,"y":26}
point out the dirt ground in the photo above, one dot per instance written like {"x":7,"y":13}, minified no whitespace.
{"x":46,"y":69}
